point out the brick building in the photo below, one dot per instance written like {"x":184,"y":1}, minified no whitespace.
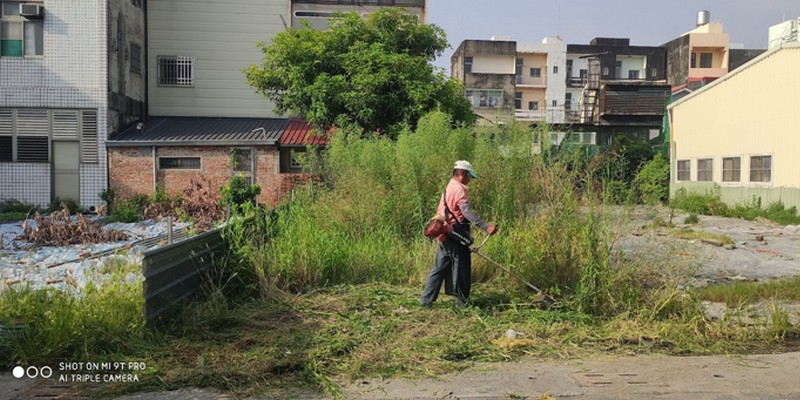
{"x":172,"y":151}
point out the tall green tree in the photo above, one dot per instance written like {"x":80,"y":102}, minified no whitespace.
{"x":374,"y":73}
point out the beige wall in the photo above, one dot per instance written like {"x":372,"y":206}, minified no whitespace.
{"x":749,"y":112}
{"x":536,"y":60}
{"x":489,"y":64}
{"x":222,"y":38}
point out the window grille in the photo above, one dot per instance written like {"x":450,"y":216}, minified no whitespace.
{"x":179,"y":163}
{"x":176,"y":71}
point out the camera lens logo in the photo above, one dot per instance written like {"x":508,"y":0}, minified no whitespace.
{"x":32,"y":372}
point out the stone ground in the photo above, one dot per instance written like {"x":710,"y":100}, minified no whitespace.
{"x":763,"y":251}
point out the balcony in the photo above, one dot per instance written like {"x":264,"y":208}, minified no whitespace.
{"x":575,"y":81}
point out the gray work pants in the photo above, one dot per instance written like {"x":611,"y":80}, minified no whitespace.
{"x":453,"y":265}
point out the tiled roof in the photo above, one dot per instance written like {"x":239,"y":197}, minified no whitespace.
{"x":201,"y":131}
{"x":301,"y":133}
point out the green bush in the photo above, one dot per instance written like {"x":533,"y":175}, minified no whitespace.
{"x":15,"y":210}
{"x":128,"y":210}
{"x":651,"y":184}
{"x":708,"y":203}
{"x":238,"y":192}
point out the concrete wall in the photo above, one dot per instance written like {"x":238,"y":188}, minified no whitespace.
{"x":713,"y":123}
{"x":492,"y":64}
{"x":133,"y":172}
{"x":72,"y":73}
{"x":126,"y":82}
{"x":222,"y":38}
{"x":790,"y":197}
{"x":678,"y":60}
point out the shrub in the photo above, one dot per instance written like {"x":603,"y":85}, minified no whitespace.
{"x":238,"y":192}
{"x":708,"y":203}
{"x":651,"y":184}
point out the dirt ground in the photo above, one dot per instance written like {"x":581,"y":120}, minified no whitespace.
{"x":763,"y":250}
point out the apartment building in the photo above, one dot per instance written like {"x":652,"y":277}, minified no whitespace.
{"x":540,"y":93}
{"x":71,"y":74}
{"x":703,"y":55}
{"x":505,"y":80}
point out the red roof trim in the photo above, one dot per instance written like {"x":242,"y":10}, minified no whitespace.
{"x":301,"y":133}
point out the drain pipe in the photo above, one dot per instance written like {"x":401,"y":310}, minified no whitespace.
{"x":155,"y":173}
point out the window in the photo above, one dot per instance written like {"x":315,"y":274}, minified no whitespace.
{"x":467,"y":65}
{"x":761,"y":169}
{"x":176,"y":71}
{"x":291,"y":159}
{"x":583,"y":73}
{"x":555,"y":103}
{"x":731,"y":169}
{"x":89,"y":154}
{"x":536,"y":72}
{"x":568,"y":101}
{"x":6,"y":153}
{"x":21,"y":35}
{"x":533,"y":105}
{"x":618,"y":70}
{"x":684,"y":170}
{"x":518,"y":100}
{"x":705,"y":170}
{"x":33,"y":149}
{"x":485,"y":98}
{"x":705,"y":60}
{"x":555,"y":69}
{"x":136,"y":59}
{"x":243,"y":163}
{"x":179,"y":163}
{"x":605,"y":71}
{"x":694,"y":60}
{"x":653,"y":72}
{"x":26,"y":133}
{"x":633,"y":74}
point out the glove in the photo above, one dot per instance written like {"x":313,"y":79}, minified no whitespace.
{"x":491,"y":229}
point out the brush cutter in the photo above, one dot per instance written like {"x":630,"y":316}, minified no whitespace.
{"x":540,"y":295}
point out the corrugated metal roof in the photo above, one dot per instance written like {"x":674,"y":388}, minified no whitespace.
{"x":301,"y":133}
{"x":202,"y":131}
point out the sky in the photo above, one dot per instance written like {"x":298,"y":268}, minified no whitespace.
{"x":645,"y":22}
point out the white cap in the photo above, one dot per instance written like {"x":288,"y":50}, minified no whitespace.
{"x":466,"y":166}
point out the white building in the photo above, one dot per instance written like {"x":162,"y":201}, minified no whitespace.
{"x":71,"y":73}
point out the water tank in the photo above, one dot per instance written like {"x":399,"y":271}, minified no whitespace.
{"x":703,"y":17}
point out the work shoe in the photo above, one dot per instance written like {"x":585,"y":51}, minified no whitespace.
{"x":461,"y":303}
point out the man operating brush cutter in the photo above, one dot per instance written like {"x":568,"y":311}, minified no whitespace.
{"x":453,"y":263}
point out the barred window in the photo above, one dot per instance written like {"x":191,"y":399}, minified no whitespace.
{"x":179,"y":163}
{"x":731,"y":169}
{"x":175,"y":71}
{"x":136,"y":59}
{"x":761,"y":169}
{"x":684,"y":170}
{"x":705,"y":170}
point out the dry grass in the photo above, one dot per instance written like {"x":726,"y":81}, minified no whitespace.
{"x":58,"y":229}
{"x":341,"y":334}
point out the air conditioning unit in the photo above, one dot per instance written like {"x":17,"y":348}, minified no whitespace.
{"x":30,"y":10}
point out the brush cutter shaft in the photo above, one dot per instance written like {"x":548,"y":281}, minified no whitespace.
{"x":512,"y":273}
{"x":466,"y":242}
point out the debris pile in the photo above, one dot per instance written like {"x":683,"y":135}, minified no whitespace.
{"x":60,"y":229}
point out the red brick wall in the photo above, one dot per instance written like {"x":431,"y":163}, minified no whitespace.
{"x":131,"y":170}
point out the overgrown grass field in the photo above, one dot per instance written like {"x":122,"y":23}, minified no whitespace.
{"x":324,"y":289}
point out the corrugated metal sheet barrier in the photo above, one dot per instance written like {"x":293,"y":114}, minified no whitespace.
{"x":175,"y":273}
